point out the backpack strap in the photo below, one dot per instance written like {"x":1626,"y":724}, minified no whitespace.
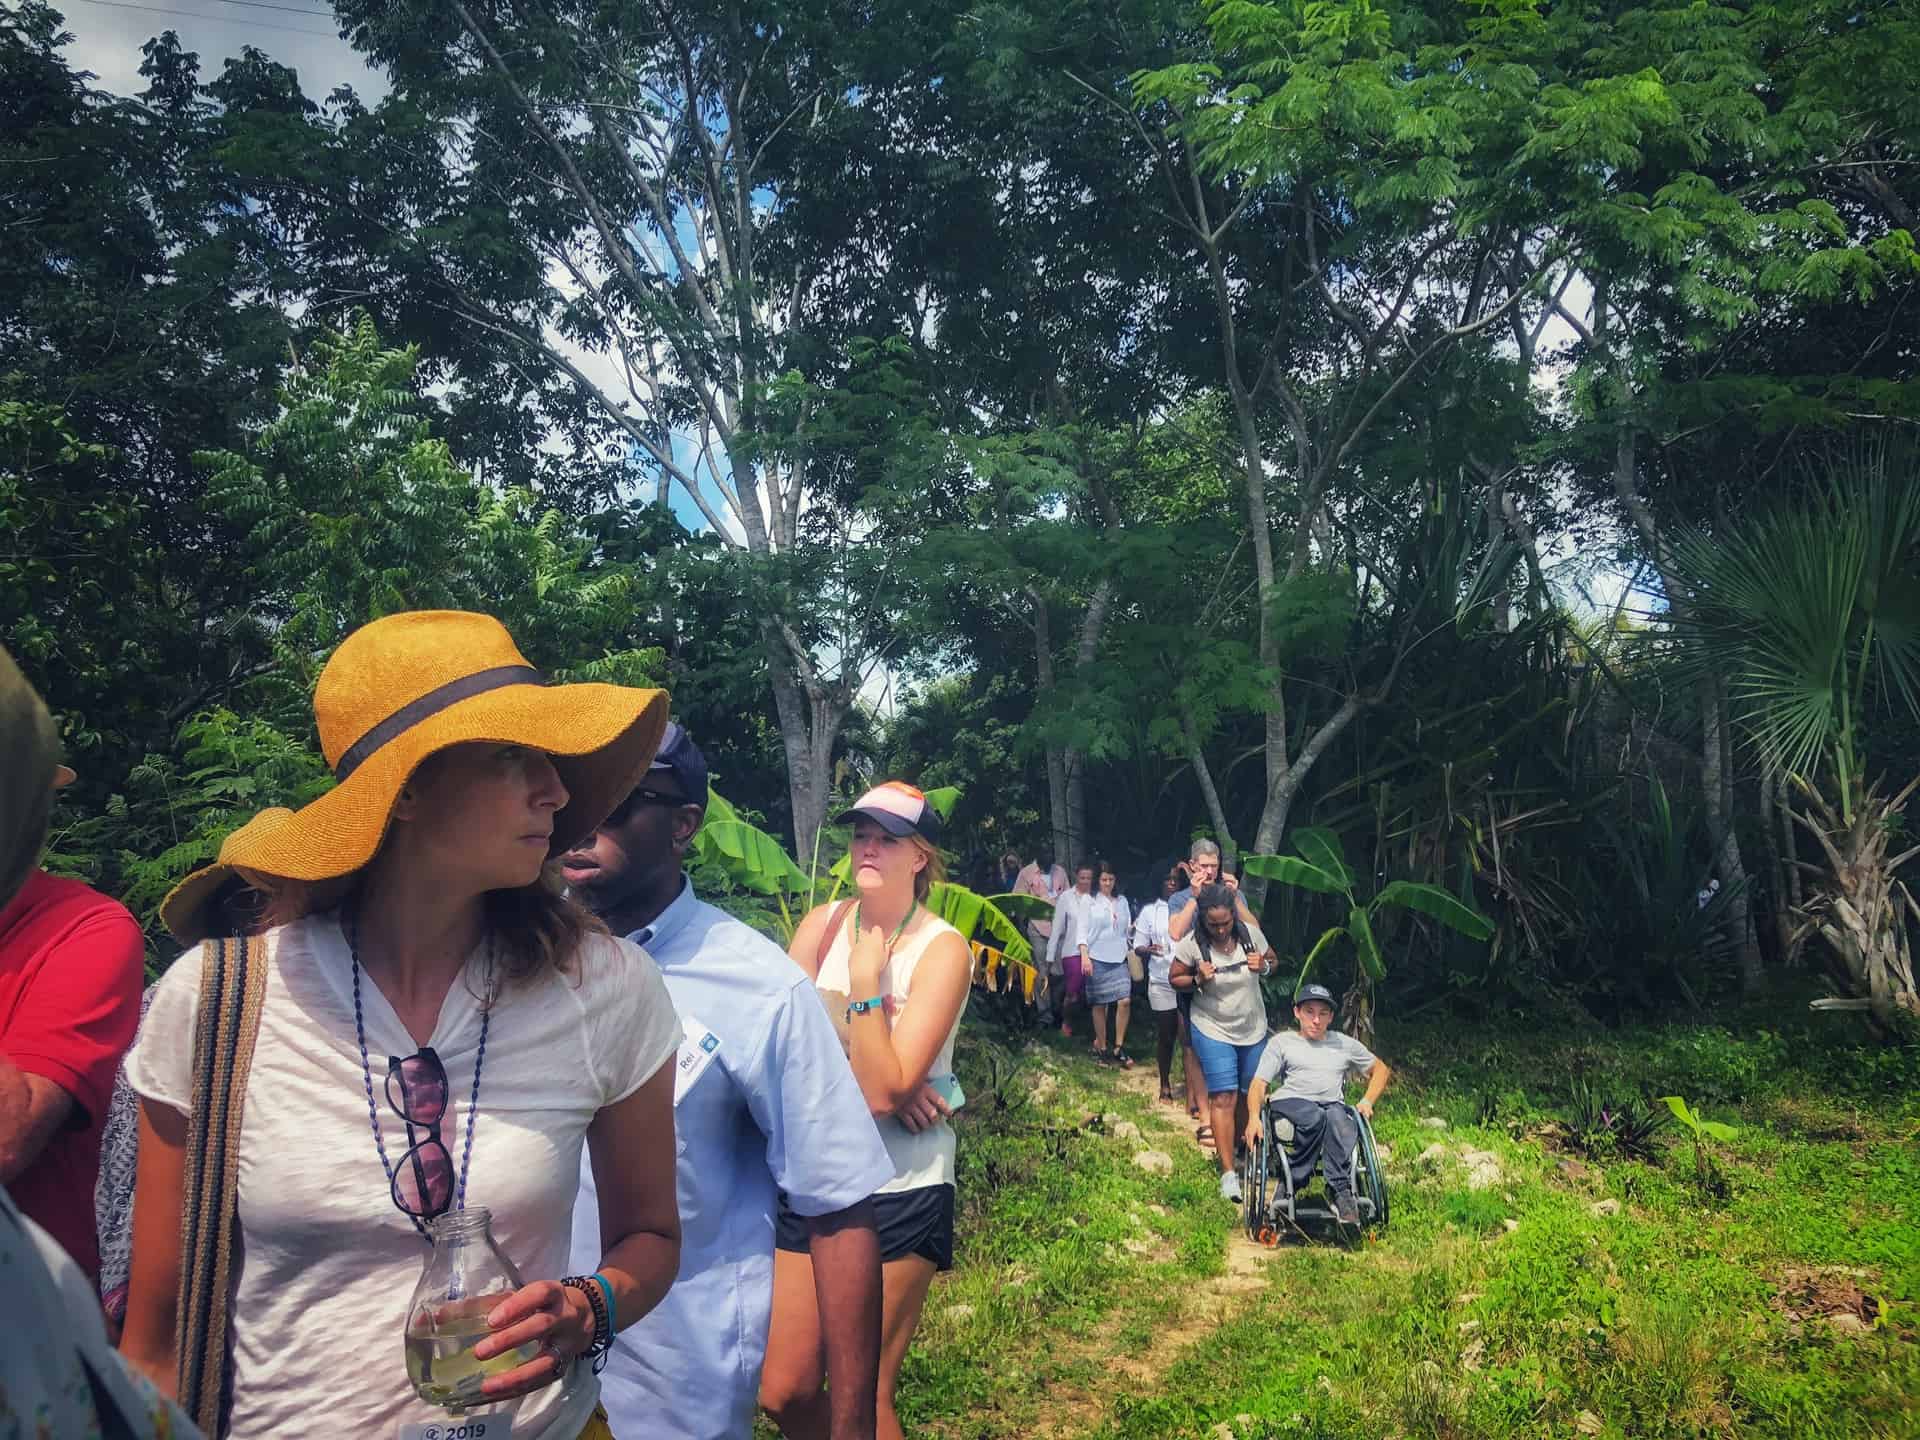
{"x":233,"y":983}
{"x":826,"y":936}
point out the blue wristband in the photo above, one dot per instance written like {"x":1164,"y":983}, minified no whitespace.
{"x":860,"y":1007}
{"x":613,"y":1322}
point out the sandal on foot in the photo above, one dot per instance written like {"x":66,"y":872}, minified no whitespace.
{"x":1121,"y":1058}
{"x":1204,"y":1134}
{"x":1166,"y":1095}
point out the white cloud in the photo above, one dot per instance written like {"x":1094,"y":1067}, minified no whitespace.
{"x":300,"y":34}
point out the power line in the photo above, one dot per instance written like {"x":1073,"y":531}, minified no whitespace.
{"x":217,"y":19}
{"x":289,"y":9}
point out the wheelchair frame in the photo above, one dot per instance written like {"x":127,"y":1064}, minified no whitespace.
{"x":1267,"y":1186}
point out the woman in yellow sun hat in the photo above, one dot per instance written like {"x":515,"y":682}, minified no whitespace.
{"x":441,"y":1030}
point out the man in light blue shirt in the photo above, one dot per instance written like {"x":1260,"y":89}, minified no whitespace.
{"x":764,"y":1101}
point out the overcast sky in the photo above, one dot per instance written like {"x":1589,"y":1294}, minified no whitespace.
{"x":301,"y":34}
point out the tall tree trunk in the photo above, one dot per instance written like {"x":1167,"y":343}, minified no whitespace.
{"x":1717,"y":791}
{"x":1783,"y":853}
{"x":1203,"y":772}
{"x":1072,"y":762}
{"x":810,"y":713}
{"x":1073,"y":768}
{"x":1795,"y":898}
{"x":1045,"y":681}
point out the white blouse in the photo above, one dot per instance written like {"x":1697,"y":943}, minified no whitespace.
{"x":330,"y":1263}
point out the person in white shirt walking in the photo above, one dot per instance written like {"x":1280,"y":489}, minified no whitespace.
{"x":1155,"y":948}
{"x":1045,"y":880}
{"x":1103,"y":961}
{"x":764,"y":1103}
{"x":1067,"y":950}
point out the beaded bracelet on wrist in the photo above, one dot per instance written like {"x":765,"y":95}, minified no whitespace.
{"x":602,"y":1320}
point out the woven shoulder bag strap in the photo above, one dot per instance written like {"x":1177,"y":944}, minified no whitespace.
{"x":233,"y":982}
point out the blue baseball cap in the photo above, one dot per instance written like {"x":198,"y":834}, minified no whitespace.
{"x":682,"y":757}
{"x":1314,"y":992}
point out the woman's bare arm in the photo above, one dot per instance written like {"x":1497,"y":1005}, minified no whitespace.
{"x":891,"y":1063}
{"x":153,"y":1283}
{"x":633,"y":1168}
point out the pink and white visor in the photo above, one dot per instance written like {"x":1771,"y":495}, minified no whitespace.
{"x":897,"y":808}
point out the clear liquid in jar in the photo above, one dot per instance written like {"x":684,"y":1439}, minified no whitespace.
{"x":440,"y":1360}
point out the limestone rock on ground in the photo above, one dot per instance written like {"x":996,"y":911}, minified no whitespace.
{"x":1483,"y":1169}
{"x":1154,"y":1162}
{"x":1605,"y":1207}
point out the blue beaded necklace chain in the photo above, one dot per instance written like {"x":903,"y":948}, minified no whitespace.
{"x":366,"y":1074}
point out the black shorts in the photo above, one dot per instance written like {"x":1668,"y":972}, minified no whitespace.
{"x":910,"y":1222}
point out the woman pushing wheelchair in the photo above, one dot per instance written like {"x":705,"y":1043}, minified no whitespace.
{"x":1312,"y":1065}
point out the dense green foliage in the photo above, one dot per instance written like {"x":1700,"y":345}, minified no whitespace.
{"x":1153,"y":419}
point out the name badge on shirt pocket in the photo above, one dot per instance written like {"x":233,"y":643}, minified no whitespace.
{"x":461,"y":1427}
{"x":698,"y":1047}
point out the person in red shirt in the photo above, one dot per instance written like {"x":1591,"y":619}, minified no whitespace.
{"x":71,"y":964}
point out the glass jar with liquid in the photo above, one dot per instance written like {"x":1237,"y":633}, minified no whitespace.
{"x":465,"y":1277}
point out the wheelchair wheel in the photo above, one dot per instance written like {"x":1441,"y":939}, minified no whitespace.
{"x":1368,"y":1157}
{"x":1260,"y":1191}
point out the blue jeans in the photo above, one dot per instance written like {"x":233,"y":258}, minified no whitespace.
{"x":1227,"y":1067}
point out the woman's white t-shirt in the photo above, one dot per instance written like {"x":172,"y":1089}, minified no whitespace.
{"x":1229,"y":1008}
{"x":329,"y":1263}
{"x":1150,"y":934}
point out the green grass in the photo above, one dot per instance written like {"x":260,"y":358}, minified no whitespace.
{"x":1513,"y":1309}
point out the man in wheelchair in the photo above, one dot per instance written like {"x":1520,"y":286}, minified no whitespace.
{"x":1312,"y":1065}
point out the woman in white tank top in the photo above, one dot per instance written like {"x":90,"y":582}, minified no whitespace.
{"x":894,"y":977}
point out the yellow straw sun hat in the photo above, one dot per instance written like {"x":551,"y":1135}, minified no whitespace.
{"x":184,"y":911}
{"x":397,"y":690}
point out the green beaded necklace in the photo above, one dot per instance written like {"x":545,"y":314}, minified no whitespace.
{"x":900,"y":929}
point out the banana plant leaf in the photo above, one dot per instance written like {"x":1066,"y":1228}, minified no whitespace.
{"x":943,"y":800}
{"x":752,"y":859}
{"x":1712,"y":1129}
{"x":967,"y":911}
{"x":1323,"y":849}
{"x":1292,"y":870}
{"x":1361,"y":929}
{"x":1442,"y":905}
{"x":1022,"y":906}
{"x":1314,"y":954}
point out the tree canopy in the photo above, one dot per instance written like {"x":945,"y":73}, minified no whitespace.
{"x":1378,"y":419}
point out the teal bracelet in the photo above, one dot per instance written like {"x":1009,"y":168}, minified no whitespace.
{"x":860,"y":1007}
{"x":613,"y":1319}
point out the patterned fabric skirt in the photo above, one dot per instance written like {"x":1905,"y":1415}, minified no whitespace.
{"x":1109,"y":983}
